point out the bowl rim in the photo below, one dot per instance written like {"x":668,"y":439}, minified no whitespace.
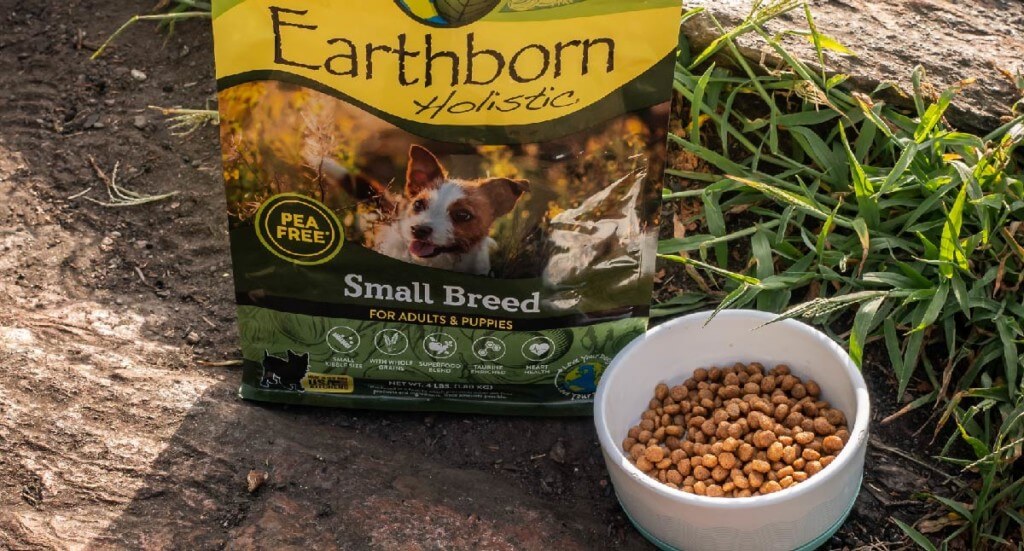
{"x":858,"y":432}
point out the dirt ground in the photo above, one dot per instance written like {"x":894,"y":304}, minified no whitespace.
{"x":113,"y":434}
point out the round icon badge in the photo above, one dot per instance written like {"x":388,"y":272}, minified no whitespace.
{"x":299,"y":229}
{"x":391,"y":342}
{"x":581,"y":376}
{"x":489,"y":349}
{"x":448,"y":13}
{"x":539,"y":349}
{"x":343,"y":340}
{"x":439,"y":346}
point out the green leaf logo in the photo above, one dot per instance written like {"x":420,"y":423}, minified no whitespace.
{"x":448,"y":13}
{"x":464,"y":12}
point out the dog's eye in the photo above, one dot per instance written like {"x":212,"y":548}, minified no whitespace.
{"x":419,"y":205}
{"x":462,"y":216}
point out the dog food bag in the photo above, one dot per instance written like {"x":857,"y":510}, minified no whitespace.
{"x":442,"y":204}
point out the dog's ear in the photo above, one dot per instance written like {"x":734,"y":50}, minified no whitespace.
{"x":503,"y":193}
{"x":424,"y":171}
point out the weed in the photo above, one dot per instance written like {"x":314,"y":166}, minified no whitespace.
{"x":185,"y":122}
{"x":177,"y":10}
{"x":119,"y":196}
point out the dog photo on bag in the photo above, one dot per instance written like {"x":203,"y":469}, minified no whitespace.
{"x":437,"y":221}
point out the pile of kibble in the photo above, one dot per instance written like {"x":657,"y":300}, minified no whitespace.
{"x":738,"y":431}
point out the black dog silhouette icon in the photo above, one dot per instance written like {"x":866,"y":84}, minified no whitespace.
{"x":284,"y":374}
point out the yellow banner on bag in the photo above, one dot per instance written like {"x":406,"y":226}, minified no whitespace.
{"x":489,"y":72}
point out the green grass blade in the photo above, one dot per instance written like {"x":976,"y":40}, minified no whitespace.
{"x":697,"y":102}
{"x":805,"y":118}
{"x":823,"y":306}
{"x":980,"y":449}
{"x":713,"y":269}
{"x":916,"y":79}
{"x":948,"y":247}
{"x":759,"y":15}
{"x":689,"y":175}
{"x":1007,"y":334}
{"x":959,"y":508}
{"x":960,"y":293}
{"x":868,"y":205}
{"x":761,"y":251}
{"x":717,"y":160}
{"x":734,"y":297}
{"x":915,"y":536}
{"x":826,"y":229}
{"x":909,"y":364}
{"x":933,"y":115}
{"x":715,"y":220}
{"x":873,"y":114}
{"x":864,"y":235}
{"x":680,"y":304}
{"x":934,"y":307}
{"x":892,"y":345}
{"x":783,"y":196}
{"x":816,"y":149}
{"x":695,"y":242}
{"x":862,"y":323}
{"x":897,"y":171}
{"x":826,"y":42}
{"x":815,"y":38}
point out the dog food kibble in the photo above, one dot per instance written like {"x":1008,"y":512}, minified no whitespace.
{"x":737,"y":431}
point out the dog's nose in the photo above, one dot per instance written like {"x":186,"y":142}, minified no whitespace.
{"x":422,"y":232}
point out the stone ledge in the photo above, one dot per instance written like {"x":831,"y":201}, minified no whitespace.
{"x":953,"y":41}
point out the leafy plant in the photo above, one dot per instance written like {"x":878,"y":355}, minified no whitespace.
{"x":880,"y":225}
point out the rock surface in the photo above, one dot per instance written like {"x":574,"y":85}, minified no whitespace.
{"x":953,"y":41}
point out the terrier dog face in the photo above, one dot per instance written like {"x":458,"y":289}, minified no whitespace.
{"x":443,"y":215}
{"x":437,"y":221}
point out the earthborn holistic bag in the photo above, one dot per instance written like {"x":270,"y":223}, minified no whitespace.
{"x":442,"y":204}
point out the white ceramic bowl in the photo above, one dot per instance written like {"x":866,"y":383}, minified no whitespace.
{"x":800,"y":517}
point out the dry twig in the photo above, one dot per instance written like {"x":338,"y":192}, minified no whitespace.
{"x":120,"y":196}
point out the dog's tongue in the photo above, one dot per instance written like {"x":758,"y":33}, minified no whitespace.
{"x":422,"y":248}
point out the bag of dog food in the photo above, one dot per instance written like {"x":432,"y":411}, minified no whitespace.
{"x":442,"y":204}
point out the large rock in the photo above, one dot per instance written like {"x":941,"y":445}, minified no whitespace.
{"x":951,"y":40}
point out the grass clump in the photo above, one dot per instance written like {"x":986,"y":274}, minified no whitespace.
{"x":883,"y":226}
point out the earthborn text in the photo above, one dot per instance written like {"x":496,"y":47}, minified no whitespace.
{"x":417,"y":61}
